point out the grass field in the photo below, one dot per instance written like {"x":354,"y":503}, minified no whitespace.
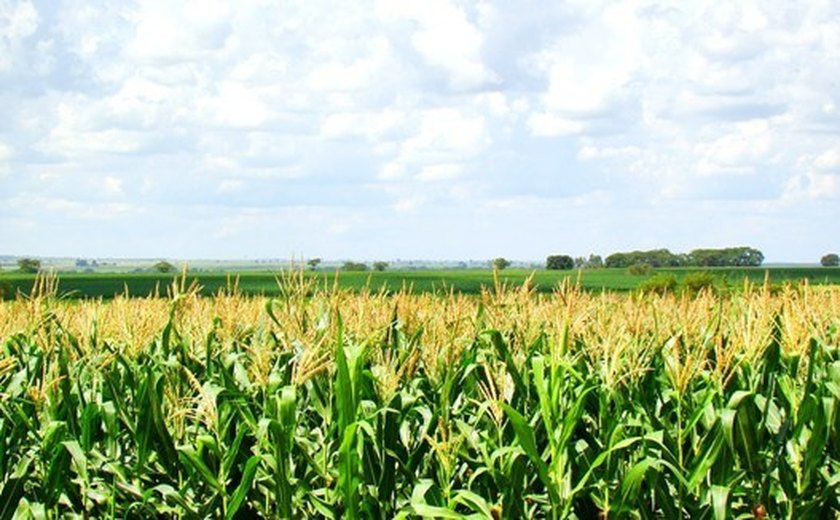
{"x":464,"y":281}
{"x":345,"y":404}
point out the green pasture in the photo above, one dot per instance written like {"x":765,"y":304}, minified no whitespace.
{"x":468,"y":281}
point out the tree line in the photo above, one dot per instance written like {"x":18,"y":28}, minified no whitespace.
{"x":723,"y":257}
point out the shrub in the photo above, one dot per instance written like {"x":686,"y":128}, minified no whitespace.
{"x":660,"y":284}
{"x":696,"y":282}
{"x":640,"y":269}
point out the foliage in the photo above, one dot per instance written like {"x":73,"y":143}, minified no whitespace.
{"x":354,"y":266}
{"x":380,"y":266}
{"x":661,"y":283}
{"x":640,"y":269}
{"x":727,"y":257}
{"x":313,"y":263}
{"x":695,"y":282}
{"x":654,"y":258}
{"x":830,"y":260}
{"x":500,"y":263}
{"x":29,"y":265}
{"x":559,"y":262}
{"x":594,"y":262}
{"x":330,"y":404}
{"x":163,"y":267}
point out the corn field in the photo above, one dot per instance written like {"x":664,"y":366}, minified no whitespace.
{"x":326,"y":403}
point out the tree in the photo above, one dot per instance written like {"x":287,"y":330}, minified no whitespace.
{"x":354,"y":266}
{"x":313,"y":263}
{"x":500,"y":263}
{"x":594,"y":262}
{"x":559,"y":262}
{"x":164,"y":267}
{"x":29,"y":265}
{"x":380,"y":266}
{"x":830,"y":260}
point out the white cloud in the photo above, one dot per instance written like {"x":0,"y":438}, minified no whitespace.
{"x":5,"y":152}
{"x":112,"y":186}
{"x":742,"y":148}
{"x":440,"y":172}
{"x":418,"y":119}
{"x":829,"y":160}
{"x":811,"y":186}
{"x":445,"y":38}
{"x":167,"y":31}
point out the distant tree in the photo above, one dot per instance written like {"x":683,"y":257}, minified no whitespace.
{"x":729,"y":257}
{"x":594,"y":262}
{"x":640,"y":269}
{"x":354,"y":266}
{"x":29,"y":265}
{"x":500,"y":263}
{"x":380,"y":266}
{"x":580,"y":262}
{"x":559,"y":262}
{"x":163,"y":267}
{"x":81,"y":262}
{"x":830,"y":260}
{"x":313,"y":263}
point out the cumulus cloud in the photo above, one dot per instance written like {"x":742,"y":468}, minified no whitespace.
{"x":385,"y":125}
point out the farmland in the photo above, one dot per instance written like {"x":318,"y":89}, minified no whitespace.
{"x":339,"y":403}
{"x":467,"y":281}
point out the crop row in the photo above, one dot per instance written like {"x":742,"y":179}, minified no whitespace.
{"x":511,"y":404}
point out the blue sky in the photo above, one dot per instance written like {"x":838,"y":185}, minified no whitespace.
{"x":433,"y":129}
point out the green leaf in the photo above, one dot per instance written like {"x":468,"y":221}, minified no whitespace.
{"x":241,"y":491}
{"x":720,"y":499}
{"x":200,"y":470}
{"x":473,"y":502}
{"x":427,"y":511}
{"x":634,"y":477}
{"x":527,"y":439}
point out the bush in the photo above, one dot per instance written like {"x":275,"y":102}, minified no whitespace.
{"x":354,"y":266}
{"x":640,"y":269}
{"x":559,"y":262}
{"x":696,"y":282}
{"x":659,"y":284}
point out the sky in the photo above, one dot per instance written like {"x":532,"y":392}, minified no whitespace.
{"x":418,"y":129}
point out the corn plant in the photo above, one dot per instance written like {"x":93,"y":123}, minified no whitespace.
{"x":511,"y":404}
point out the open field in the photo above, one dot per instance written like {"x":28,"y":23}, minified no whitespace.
{"x":469,"y":281}
{"x":340,"y":404}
